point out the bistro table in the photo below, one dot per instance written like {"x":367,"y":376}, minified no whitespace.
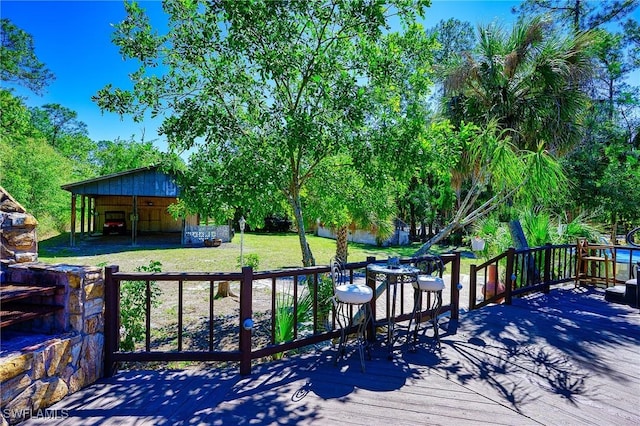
{"x":392,"y":275}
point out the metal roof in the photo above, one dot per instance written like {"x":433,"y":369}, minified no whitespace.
{"x":145,"y":181}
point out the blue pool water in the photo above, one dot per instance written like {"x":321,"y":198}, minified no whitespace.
{"x":622,"y":256}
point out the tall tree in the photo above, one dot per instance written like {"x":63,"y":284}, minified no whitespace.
{"x":341,"y":195}
{"x":30,"y":169}
{"x":120,"y":155}
{"x":487,"y":171}
{"x":613,"y":113}
{"x":520,"y":88}
{"x":266,"y":90}
{"x":527,"y":80}
{"x":55,"y":120}
{"x":18,"y":61}
{"x":580,"y":15}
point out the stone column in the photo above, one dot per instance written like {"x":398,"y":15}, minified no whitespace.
{"x":49,"y":367}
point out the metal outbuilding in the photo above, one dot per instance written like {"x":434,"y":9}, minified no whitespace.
{"x":143,"y":195}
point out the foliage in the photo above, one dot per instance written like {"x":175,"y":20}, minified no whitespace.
{"x":518,"y":79}
{"x":580,"y":227}
{"x":540,"y":227}
{"x":488,"y":171}
{"x":15,"y":118}
{"x":252,"y":260}
{"x":55,"y":120}
{"x":18,"y":61}
{"x":325,"y":295}
{"x":265,"y":91}
{"x":289,"y":314}
{"x":120,"y":155}
{"x":133,"y":306}
{"x":340,"y":195}
{"x":60,"y":127}
{"x":579,"y":15}
{"x":495,"y":234}
{"x":32,"y":172}
{"x":613,"y":116}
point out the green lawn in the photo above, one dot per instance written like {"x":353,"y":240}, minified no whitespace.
{"x":275,"y":251}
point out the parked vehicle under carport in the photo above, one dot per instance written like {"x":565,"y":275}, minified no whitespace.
{"x":114,"y":222}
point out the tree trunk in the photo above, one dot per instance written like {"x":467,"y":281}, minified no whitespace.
{"x":307,"y":255}
{"x":341,"y":243}
{"x":517,"y":235}
{"x":224,"y":290}
{"x":444,"y":233}
{"x":413,"y":234}
{"x":531,"y":272}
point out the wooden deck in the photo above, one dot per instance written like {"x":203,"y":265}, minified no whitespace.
{"x":566,"y":358}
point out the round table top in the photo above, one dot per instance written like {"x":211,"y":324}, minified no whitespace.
{"x":392,"y":270}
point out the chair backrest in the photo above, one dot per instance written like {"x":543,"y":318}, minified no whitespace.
{"x":583,"y":247}
{"x":338,"y":273}
{"x":431,"y":265}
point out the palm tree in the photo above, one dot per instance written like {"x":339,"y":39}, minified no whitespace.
{"x":523,"y":92}
{"x":528,"y":80}
{"x":341,"y":194}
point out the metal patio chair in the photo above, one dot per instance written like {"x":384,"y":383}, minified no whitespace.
{"x":346,"y":298}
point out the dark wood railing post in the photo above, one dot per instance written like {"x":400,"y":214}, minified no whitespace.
{"x":455,"y":291}
{"x":473,"y":282}
{"x":246,"y":320}
{"x":371,"y":282}
{"x":547,"y":268}
{"x":509,"y":275}
{"x":111,"y":319}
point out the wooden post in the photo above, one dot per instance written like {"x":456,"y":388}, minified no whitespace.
{"x":371,"y":282}
{"x":72,"y":235}
{"x":111,"y":320}
{"x":473,"y":282}
{"x":246,"y":312}
{"x":95,"y":216}
{"x":83,"y":200}
{"x":455,"y":292}
{"x":134,"y":222}
{"x":509,"y":274}
{"x":547,"y":268}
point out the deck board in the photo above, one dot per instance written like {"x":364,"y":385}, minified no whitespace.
{"x":567,"y":357}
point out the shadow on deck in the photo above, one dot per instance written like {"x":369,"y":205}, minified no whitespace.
{"x":567,"y":357}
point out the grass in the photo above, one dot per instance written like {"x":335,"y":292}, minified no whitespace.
{"x":275,"y":251}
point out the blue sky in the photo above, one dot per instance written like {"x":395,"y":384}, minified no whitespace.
{"x":73,"y":38}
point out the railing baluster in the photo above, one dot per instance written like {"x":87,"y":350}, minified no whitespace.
{"x":509,"y":273}
{"x":180,"y":308}
{"x":295,"y":307}
{"x":147,"y":340}
{"x":211,"y":315}
{"x":274,"y":309}
{"x":316,"y":283}
{"x":472,"y":287}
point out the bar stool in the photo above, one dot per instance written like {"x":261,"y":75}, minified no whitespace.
{"x":429,"y":281}
{"x":346,"y":296}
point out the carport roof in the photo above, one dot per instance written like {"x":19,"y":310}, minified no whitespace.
{"x":145,"y":181}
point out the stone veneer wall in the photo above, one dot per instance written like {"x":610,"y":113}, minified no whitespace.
{"x":46,"y":370}
{"x":18,"y":240}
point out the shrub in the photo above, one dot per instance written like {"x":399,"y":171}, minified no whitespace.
{"x":251,"y":259}
{"x":133,"y":307}
{"x":284,"y":315}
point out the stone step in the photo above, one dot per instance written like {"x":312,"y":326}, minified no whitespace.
{"x":16,"y":291}
{"x":13,"y":313}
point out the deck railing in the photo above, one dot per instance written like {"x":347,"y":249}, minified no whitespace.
{"x":282,"y":291}
{"x":536,"y":269}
